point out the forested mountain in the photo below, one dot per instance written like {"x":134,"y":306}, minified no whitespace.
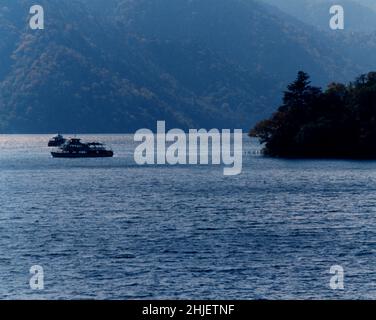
{"x":119,"y":65}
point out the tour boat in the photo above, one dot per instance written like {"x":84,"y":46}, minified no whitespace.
{"x":74,"y":148}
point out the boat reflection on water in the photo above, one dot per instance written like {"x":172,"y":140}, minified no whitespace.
{"x":74,"y":148}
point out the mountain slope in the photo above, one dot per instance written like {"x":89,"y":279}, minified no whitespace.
{"x":119,"y":65}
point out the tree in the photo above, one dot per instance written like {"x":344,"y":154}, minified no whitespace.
{"x":297,"y":91}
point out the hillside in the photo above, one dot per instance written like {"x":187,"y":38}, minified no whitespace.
{"x":119,"y":65}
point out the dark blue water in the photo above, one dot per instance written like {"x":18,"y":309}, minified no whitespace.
{"x":108,"y":229}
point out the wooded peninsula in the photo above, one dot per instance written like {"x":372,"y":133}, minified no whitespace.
{"x":339,"y":122}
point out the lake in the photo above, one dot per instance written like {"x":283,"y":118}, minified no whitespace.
{"x":109,"y":229}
